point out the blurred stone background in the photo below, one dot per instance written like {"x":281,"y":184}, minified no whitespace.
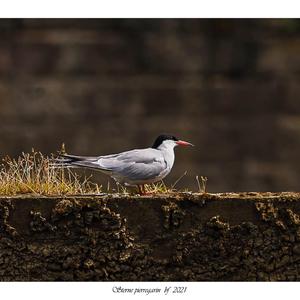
{"x":231,"y":87}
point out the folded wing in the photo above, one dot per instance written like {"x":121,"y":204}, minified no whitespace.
{"x":140,"y":164}
{"x":135,"y":165}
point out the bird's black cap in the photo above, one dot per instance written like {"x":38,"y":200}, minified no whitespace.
{"x":162,"y":138}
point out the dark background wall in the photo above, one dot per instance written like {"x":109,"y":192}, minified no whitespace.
{"x":231,"y":87}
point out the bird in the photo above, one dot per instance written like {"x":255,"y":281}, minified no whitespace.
{"x":134,"y":167}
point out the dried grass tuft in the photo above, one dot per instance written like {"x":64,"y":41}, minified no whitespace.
{"x":31,"y":173}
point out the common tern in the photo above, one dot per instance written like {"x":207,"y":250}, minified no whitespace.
{"x":135,"y":167}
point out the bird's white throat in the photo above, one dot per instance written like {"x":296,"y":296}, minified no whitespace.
{"x":167,"y":147}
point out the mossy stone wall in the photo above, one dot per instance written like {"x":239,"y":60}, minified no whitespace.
{"x":189,"y":237}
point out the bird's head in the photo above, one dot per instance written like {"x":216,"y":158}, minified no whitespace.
{"x":169,"y":141}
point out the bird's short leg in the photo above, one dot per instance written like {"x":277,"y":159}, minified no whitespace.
{"x":140,"y":189}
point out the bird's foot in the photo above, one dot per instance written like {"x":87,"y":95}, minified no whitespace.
{"x":142,"y":190}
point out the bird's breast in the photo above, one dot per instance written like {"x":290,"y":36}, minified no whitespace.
{"x":169,"y":158}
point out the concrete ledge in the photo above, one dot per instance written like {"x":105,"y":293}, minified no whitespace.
{"x":189,"y":237}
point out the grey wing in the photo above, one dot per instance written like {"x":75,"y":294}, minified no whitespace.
{"x":73,"y":161}
{"x":136,"y":164}
{"x":78,"y":158}
{"x":77,"y":161}
{"x":142,"y":171}
{"x":140,"y":164}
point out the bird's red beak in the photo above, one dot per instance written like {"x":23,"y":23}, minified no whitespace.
{"x":183,"y":143}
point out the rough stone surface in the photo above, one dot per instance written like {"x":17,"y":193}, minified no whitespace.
{"x":190,"y":237}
